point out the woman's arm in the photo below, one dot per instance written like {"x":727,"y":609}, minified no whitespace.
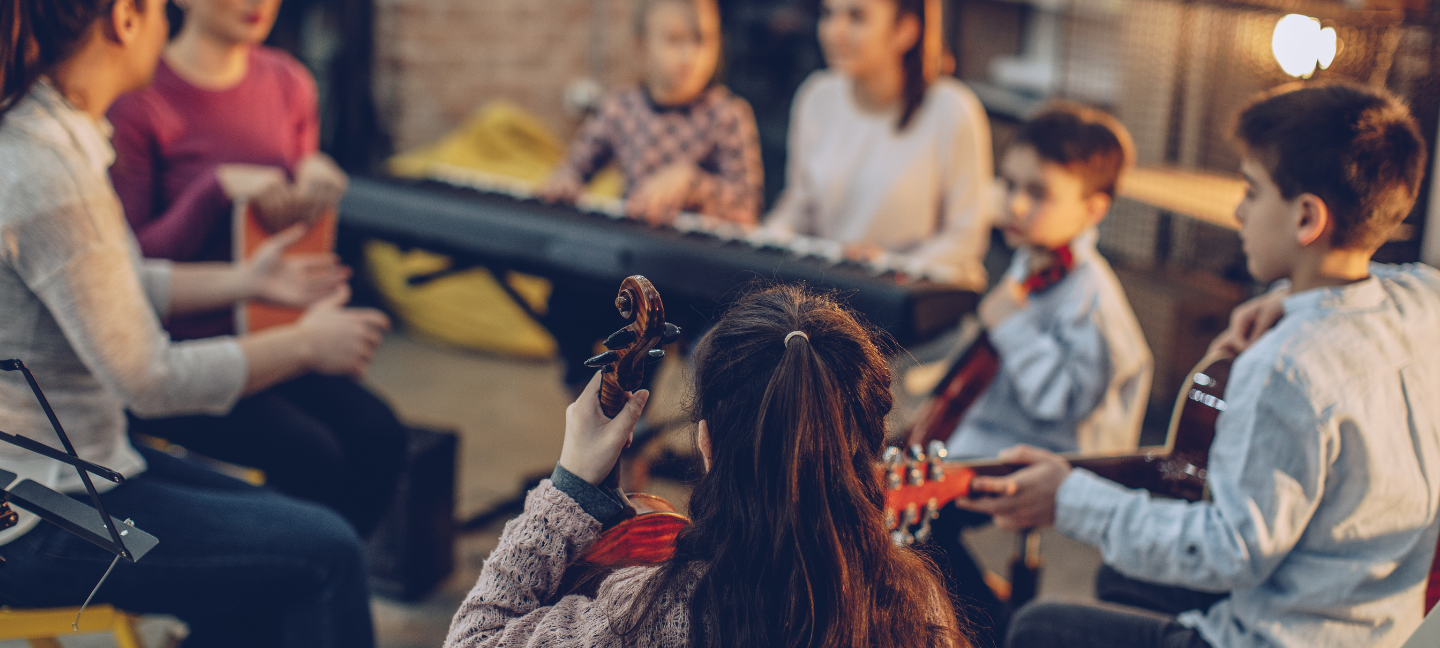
{"x":505,"y":607}
{"x":734,"y":193}
{"x":965,"y":203}
{"x":796,"y":204}
{"x":270,"y":276}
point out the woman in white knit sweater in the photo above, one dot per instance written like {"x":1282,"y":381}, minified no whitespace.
{"x":241,"y":565}
{"x":886,"y":154}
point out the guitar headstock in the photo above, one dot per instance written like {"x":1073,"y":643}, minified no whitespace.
{"x":635,"y":347}
{"x":917,"y":484}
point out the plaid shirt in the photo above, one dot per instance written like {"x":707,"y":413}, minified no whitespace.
{"x":716,"y":132}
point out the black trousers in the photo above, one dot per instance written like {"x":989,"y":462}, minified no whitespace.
{"x":1133,"y":613}
{"x":981,"y":613}
{"x":319,"y":438}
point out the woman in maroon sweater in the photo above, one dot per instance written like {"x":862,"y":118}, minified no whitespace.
{"x":227,"y":119}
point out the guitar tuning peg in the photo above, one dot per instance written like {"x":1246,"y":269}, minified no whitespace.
{"x":602,"y":359}
{"x":620,"y":339}
{"x":916,"y":453}
{"x":938,"y":452}
{"x":655,"y":356}
{"x":671,"y":334}
{"x":892,"y":467}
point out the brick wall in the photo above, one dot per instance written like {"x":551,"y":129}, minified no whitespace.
{"x":436,"y":61}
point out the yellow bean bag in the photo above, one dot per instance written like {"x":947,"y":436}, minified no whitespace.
{"x":468,"y":308}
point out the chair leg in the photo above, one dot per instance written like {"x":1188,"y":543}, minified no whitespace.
{"x":124,"y":631}
{"x":45,"y":642}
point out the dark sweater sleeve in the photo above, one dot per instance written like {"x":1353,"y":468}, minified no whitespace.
{"x":600,"y":504}
{"x":734,"y":192}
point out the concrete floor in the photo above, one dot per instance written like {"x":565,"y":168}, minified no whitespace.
{"x":510,"y":417}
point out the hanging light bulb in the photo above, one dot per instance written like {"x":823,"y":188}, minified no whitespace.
{"x":1300,"y":44}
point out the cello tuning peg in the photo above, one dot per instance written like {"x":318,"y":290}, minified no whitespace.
{"x":602,"y":359}
{"x":620,"y":339}
{"x":609,"y":368}
{"x":671,"y":334}
{"x":655,"y":355}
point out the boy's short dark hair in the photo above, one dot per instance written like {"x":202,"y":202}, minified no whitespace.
{"x":1085,"y":141}
{"x":1358,"y":149}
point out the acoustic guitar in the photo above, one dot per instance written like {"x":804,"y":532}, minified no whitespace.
{"x":921,"y":481}
{"x":644,"y":533}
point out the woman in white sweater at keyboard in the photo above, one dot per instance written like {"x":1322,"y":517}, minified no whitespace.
{"x":886,"y":154}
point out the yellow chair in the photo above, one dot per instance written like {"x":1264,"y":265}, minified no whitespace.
{"x":43,"y":628}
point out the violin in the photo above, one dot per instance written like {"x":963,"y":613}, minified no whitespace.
{"x":977,"y":365}
{"x":644,"y":532}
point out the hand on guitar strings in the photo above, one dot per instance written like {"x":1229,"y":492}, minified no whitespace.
{"x":1024,"y":499}
{"x":296,"y":280}
{"x":1249,"y":321}
{"x":593,"y":442}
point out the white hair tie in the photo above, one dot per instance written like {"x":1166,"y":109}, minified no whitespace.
{"x":795,"y":333}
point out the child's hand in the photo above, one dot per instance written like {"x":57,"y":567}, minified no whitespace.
{"x":661,"y":196}
{"x":1248,"y":322}
{"x":592,"y":441}
{"x":1005,"y":299}
{"x":1024,"y":499}
{"x":561,"y":187}
{"x":319,"y":185}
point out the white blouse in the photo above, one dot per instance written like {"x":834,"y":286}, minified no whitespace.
{"x":925,"y":190}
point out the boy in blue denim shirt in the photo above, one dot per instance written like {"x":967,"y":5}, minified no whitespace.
{"x":1325,"y":470}
{"x":1074,"y":367}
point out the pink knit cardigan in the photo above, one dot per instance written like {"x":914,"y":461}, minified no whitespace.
{"x":504,"y":608}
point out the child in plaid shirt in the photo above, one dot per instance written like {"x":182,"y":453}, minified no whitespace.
{"x":683,"y":141}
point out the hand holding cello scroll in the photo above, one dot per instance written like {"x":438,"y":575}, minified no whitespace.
{"x":593,"y":441}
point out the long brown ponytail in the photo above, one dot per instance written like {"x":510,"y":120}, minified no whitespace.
{"x":36,"y":35}
{"x":917,"y":79}
{"x":787,"y":526}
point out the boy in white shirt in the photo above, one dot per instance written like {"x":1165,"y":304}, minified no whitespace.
{"x":1322,"y":519}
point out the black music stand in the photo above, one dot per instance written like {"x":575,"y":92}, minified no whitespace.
{"x":118,"y":537}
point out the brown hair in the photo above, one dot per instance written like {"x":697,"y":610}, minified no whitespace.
{"x":1358,"y":149}
{"x":788,"y":521}
{"x":1086,"y":142}
{"x":913,"y":62}
{"x":37,"y":35}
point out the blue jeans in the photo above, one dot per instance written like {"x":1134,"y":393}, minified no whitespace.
{"x":241,"y":565}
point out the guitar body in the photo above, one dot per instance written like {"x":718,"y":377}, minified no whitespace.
{"x":963,"y":383}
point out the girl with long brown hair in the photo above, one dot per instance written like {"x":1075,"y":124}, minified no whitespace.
{"x":887,"y":152}
{"x":787,"y":546}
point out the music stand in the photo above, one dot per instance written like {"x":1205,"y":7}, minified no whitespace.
{"x":118,"y":537}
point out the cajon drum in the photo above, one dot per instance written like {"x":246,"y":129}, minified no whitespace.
{"x":249,"y":234}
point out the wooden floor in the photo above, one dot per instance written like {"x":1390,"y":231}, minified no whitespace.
{"x":510,"y":416}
